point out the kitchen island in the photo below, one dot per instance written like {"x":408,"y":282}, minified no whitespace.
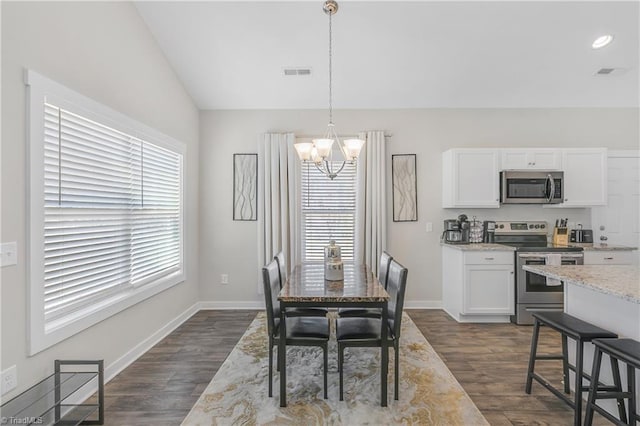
{"x":604,"y":295}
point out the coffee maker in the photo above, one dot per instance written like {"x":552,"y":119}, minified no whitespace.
{"x":489,"y":231}
{"x":456,"y":231}
{"x":452,"y":233}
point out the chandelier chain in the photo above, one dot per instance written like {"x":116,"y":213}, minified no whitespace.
{"x":330,"y":73}
{"x":320,"y":151}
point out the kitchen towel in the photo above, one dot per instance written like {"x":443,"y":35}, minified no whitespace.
{"x":553,"y":259}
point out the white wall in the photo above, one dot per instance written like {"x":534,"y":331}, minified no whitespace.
{"x":230,"y":247}
{"x":102,"y":50}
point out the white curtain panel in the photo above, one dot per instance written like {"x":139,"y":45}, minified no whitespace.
{"x":371,"y":201}
{"x":278,"y":200}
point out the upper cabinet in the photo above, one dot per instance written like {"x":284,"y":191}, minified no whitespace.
{"x":470,"y":178}
{"x":585,"y":177}
{"x":531,"y":159}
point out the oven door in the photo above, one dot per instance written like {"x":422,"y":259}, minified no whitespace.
{"x":533,"y":288}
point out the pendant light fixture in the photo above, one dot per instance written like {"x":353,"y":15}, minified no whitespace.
{"x":319,"y":151}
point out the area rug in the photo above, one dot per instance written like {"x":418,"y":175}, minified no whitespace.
{"x":238,"y":394}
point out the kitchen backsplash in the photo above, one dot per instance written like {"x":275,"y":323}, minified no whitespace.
{"x":525,"y":213}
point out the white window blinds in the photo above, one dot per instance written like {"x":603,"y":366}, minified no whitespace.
{"x":112,"y":212}
{"x":328,"y":211}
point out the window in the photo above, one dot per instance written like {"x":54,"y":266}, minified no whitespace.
{"x":328,"y":210}
{"x":106,"y":212}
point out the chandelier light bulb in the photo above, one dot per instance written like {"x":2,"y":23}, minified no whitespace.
{"x":315,"y":157}
{"x":323,"y":146}
{"x":304,"y":150}
{"x":352,"y":148}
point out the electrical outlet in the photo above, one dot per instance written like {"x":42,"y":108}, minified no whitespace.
{"x":8,"y":254}
{"x":429,"y":227}
{"x":224,"y":279}
{"x":9,"y":379}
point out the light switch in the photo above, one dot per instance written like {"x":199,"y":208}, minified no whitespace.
{"x":429,"y":227}
{"x":8,"y":254}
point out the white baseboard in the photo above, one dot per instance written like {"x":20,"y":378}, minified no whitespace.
{"x":240,"y":305}
{"x":112,"y":370}
{"x":134,"y":353}
{"x":423,"y":304}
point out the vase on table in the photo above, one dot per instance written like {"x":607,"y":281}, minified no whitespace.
{"x":333,"y":266}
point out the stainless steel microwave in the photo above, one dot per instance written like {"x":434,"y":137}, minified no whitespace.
{"x":531,"y":187}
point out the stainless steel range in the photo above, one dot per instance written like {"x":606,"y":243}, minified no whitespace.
{"x":533,"y":292}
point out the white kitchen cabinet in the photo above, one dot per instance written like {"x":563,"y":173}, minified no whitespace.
{"x":470,"y":178}
{"x":478,"y":286}
{"x":531,"y":159}
{"x":585,"y":177}
{"x":609,"y":257}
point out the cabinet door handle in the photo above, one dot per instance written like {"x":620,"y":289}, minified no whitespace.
{"x":488,"y":258}
{"x":608,"y":258}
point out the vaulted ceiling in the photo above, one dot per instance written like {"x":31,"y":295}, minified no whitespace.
{"x":419,"y":54}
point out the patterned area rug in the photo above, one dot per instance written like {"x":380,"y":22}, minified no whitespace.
{"x":238,"y":394}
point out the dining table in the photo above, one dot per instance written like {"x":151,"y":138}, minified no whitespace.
{"x":306,"y":287}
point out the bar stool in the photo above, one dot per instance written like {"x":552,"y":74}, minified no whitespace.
{"x":581,"y":332}
{"x":627,"y":351}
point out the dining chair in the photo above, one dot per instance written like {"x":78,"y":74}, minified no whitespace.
{"x":296,"y":312}
{"x":383,"y":272}
{"x":367,"y":332}
{"x":301,"y":331}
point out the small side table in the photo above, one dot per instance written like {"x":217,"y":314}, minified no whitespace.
{"x":51,"y":401}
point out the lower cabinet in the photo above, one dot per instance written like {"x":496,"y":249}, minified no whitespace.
{"x":488,"y":289}
{"x":478,"y":286}
{"x":610,"y":257}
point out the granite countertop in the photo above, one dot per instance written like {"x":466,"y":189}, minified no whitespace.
{"x":479,"y":247}
{"x":617,"y":280}
{"x":602,"y":247}
{"x":502,"y":247}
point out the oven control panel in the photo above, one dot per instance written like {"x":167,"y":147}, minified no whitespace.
{"x":526,"y":227}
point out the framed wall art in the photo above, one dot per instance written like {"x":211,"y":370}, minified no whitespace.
{"x":245,"y":187}
{"x":404,"y":181}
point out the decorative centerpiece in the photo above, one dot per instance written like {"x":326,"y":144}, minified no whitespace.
{"x":333,"y":266}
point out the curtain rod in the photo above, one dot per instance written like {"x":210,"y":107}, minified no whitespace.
{"x":386,"y":135}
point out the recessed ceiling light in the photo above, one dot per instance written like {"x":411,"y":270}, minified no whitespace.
{"x":602,"y":41}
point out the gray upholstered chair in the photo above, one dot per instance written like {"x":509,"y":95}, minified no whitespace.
{"x":383,"y":272}
{"x":301,"y":331}
{"x":366,"y":332}
{"x":296,"y":312}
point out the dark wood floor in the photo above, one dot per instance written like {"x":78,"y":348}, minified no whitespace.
{"x":161,"y":386}
{"x":489,"y":361}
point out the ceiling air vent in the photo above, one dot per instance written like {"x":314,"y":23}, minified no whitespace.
{"x":610,"y":71}
{"x":297,"y":71}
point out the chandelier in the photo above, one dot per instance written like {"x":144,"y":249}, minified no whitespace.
{"x":319,"y":151}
